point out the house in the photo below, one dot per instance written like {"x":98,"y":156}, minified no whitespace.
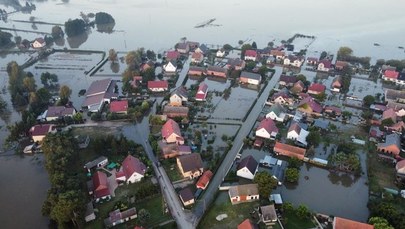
{"x":324,"y":65}
{"x":321,"y":124}
{"x":204,"y":180}
{"x":179,"y":96}
{"x":132,"y":170}
{"x":250,"y":78}
{"x":117,"y":217}
{"x":309,"y":106}
{"x":202,"y":92}
{"x":287,"y":81}
{"x":270,"y":60}
{"x":387,"y":67}
{"x":395,"y":99}
{"x":97,"y":163}
{"x":197,"y":57}
{"x":297,"y":87}
{"x":203,"y":49}
{"x":100,"y":187}
{"x":38,"y":132}
{"x":268,"y":214}
{"x":170,"y":150}
{"x":217,"y":71}
{"x":193,"y":44}
{"x":56,"y":112}
{"x":221,"y":53}
{"x":182,"y":48}
{"x":278,"y":54}
{"x":400,"y":168}
{"x":294,"y":61}
{"x":247,"y":168}
{"x":186,"y":197}
{"x":337,"y":84}
{"x":332,"y":111}
{"x":282,"y":97}
{"x":267,"y":129}
{"x":375,"y":134}
{"x":99,"y":93}
{"x":341,"y":223}
{"x":247,"y":224}
{"x":389,"y":114}
{"x":297,"y":133}
{"x":119,"y":106}
{"x":392,"y":145}
{"x":316,"y":89}
{"x":243,"y":193}
{"x":401,"y":78}
{"x":190,"y":165}
{"x":390,"y":75}
{"x":38,"y":43}
{"x":89,"y":214}
{"x":146,"y":66}
{"x":340,"y":65}
{"x":172,"y":55}
{"x":277,"y":113}
{"x":251,"y":55}
{"x":171,"y":132}
{"x":136,"y":81}
{"x":312,"y":61}
{"x":158,"y":86}
{"x":235,"y":63}
{"x":175,"y":111}
{"x":170,"y":67}
{"x":396,"y":127}
{"x":196,"y":71}
{"x":289,"y":151}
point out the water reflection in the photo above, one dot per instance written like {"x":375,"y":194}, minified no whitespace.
{"x":115,"y":67}
{"x":76,"y":41}
{"x":344,"y":179}
{"x":60,"y":41}
{"x":106,"y":28}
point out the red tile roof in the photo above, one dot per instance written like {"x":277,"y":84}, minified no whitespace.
{"x":119,"y":106}
{"x":246,"y":224}
{"x":197,"y":55}
{"x":204,"y":179}
{"x":400,"y":165}
{"x":391,"y":74}
{"x":276,"y":52}
{"x":172,"y":55}
{"x":132,"y":165}
{"x":202,"y":91}
{"x":251,"y":53}
{"x":169,"y":128}
{"x":269,"y":125}
{"x":389,"y":113}
{"x":158,"y":84}
{"x":288,"y":150}
{"x":317,"y":87}
{"x":341,"y":223}
{"x":326,"y":63}
{"x":41,"y":129}
{"x":315,"y":107}
{"x":100,"y":184}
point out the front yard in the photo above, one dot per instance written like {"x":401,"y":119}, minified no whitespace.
{"x":292,"y":221}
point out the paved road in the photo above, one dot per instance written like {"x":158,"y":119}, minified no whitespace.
{"x":183,"y":72}
{"x":216,"y":181}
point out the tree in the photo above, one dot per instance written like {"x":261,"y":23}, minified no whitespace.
{"x":133,"y":59}
{"x":321,"y":96}
{"x":112,"y":55}
{"x":75,"y":27}
{"x":5,"y":39}
{"x":29,"y":84}
{"x":347,"y":114}
{"x":145,"y":106}
{"x":64,"y":94}
{"x":244,"y":48}
{"x":57,"y":32}
{"x":151,"y":55}
{"x":302,"y":211}
{"x":380,"y":223}
{"x":240,"y":42}
{"x":104,"y":18}
{"x":270,"y":44}
{"x":292,"y":175}
{"x":143,"y":215}
{"x":301,"y":77}
{"x":387,"y":122}
{"x":294,"y":162}
{"x":313,"y":138}
{"x":323,"y":55}
{"x":266,"y":183}
{"x":227,"y":47}
{"x":368,"y":100}
{"x":254,"y":45}
{"x":344,"y":52}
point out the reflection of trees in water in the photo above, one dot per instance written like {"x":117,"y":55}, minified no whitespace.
{"x":60,"y":41}
{"x":291,"y":186}
{"x":76,"y":41}
{"x":344,"y":179}
{"x":115,"y":67}
{"x":105,"y":28}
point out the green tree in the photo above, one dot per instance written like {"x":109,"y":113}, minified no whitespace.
{"x":143,"y":215}
{"x":380,"y":223}
{"x":244,"y":48}
{"x":265,"y":182}
{"x":227,"y":47}
{"x":5,"y":39}
{"x":112,"y":55}
{"x":347,"y":114}
{"x":302,"y":212}
{"x":270,"y":44}
{"x":321,"y":96}
{"x":104,"y":18}
{"x":29,"y":84}
{"x":301,"y":77}
{"x":368,"y":100}
{"x":387,"y":122}
{"x":57,"y":32}
{"x":294,"y":163}
{"x":133,"y":59}
{"x":292,"y":175}
{"x":313,"y":138}
{"x":254,"y":45}
{"x":64,"y":94}
{"x":145,"y":106}
{"x":344,"y":52}
{"x":75,"y":27}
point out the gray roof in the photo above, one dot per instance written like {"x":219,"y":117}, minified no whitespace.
{"x":94,"y":162}
{"x":268,"y":213}
{"x":59,"y":111}
{"x":243,"y":190}
{"x":323,"y":124}
{"x":394,"y":95}
{"x":217,"y":69}
{"x":277,"y":109}
{"x":191,"y":162}
{"x":391,"y":139}
{"x":203,"y":48}
{"x":250,"y":163}
{"x":251,"y":75}
{"x":181,"y":92}
{"x":186,"y":194}
{"x":100,"y":86}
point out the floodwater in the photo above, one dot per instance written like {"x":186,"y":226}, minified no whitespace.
{"x":158,"y":25}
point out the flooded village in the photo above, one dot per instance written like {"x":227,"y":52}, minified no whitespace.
{"x":200,"y":121}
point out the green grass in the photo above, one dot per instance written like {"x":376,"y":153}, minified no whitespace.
{"x":170,"y":167}
{"x":236,"y":214}
{"x":381,"y":174}
{"x":292,"y":221}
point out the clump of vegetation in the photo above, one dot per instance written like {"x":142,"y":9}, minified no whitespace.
{"x":75,"y":27}
{"x":266,"y":183}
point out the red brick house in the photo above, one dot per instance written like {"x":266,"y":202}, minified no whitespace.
{"x":204,"y":180}
{"x":392,"y":145}
{"x":289,"y":151}
{"x":337,"y":84}
{"x":390,"y":75}
{"x":340,"y":65}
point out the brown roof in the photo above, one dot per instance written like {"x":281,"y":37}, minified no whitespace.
{"x":59,"y":111}
{"x":247,"y":224}
{"x":243,"y":190}
{"x":191,"y":162}
{"x":288,"y":150}
{"x":39,"y":130}
{"x":217,"y":69}
{"x":341,"y":223}
{"x":186,"y":194}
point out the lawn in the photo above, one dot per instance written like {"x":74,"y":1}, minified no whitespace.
{"x":236,"y":214}
{"x":170,"y":167}
{"x":381,"y":173}
{"x":292,"y":221}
